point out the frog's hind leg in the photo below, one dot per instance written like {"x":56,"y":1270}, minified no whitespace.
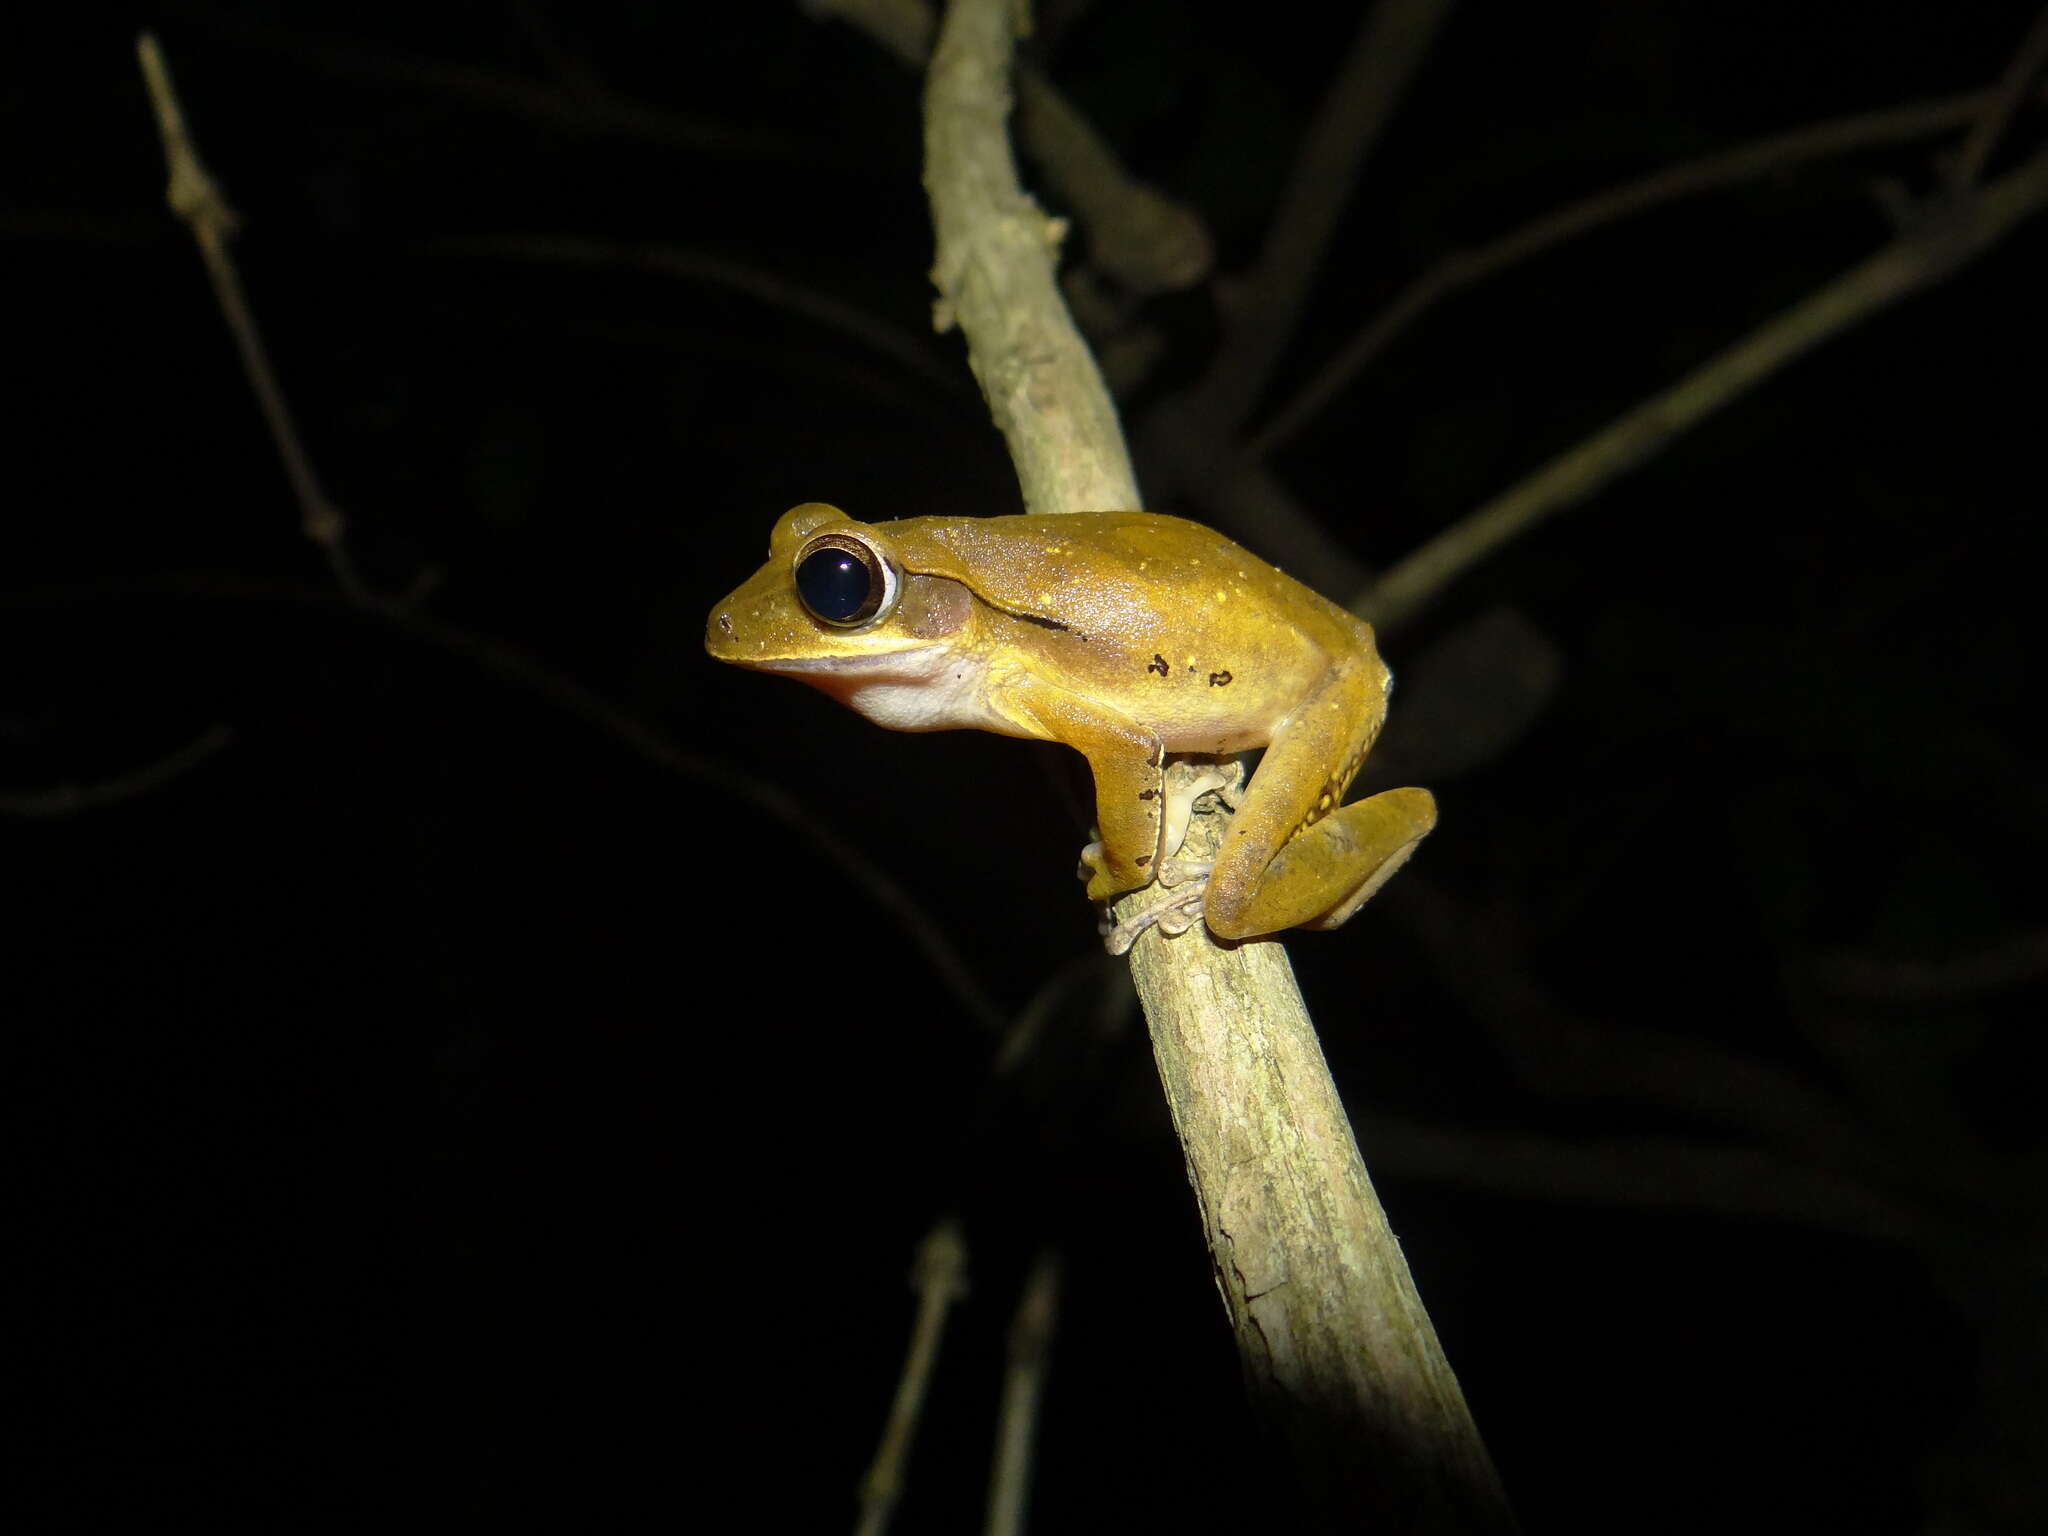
{"x":1295,"y":856}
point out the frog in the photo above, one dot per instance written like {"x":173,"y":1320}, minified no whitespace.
{"x":1152,"y":645}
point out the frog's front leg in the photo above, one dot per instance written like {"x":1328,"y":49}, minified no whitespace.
{"x":1128,"y":763}
{"x":1186,"y":780}
{"x":1295,"y":856}
{"x":1179,"y":906}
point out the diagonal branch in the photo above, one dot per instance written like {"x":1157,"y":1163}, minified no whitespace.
{"x":69,"y":799}
{"x":1466,"y":269}
{"x":1148,"y":242}
{"x":2004,"y":100}
{"x":994,"y":273}
{"x":1923,"y":255}
{"x":1390,"y":45}
{"x":197,"y":199}
{"x":1339,"y":1354}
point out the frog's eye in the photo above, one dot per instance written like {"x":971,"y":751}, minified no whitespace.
{"x":845,"y":581}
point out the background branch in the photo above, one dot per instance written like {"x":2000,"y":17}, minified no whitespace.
{"x":1923,"y":255}
{"x":1465,"y":269}
{"x":69,"y":799}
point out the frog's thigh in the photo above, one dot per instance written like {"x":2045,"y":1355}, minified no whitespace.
{"x":1127,"y":761}
{"x":1266,"y":877}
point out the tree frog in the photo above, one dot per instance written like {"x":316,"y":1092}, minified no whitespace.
{"x":1129,"y":636}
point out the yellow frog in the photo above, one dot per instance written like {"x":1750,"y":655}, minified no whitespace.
{"x":1128,"y":636}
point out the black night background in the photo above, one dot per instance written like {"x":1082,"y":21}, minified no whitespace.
{"x":438,"y":1083}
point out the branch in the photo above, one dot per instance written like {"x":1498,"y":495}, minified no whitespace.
{"x":994,"y":273}
{"x":1466,"y":269}
{"x":2002,"y":101}
{"x":69,"y":799}
{"x":1923,"y":255}
{"x":1189,"y":439}
{"x":1390,"y":45}
{"x":939,"y":1276}
{"x":589,"y":111}
{"x":1657,"y":1173}
{"x":538,"y":679}
{"x":197,"y":199}
{"x":2000,"y":966}
{"x":1339,"y":1354}
{"x":912,"y":353}
{"x":1029,"y":1352}
{"x":1148,"y":242}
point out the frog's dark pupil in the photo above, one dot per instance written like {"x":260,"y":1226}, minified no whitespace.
{"x":833,"y":584}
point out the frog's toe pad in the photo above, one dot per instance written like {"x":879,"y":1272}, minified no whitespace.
{"x":1174,"y":912}
{"x":1093,"y":861}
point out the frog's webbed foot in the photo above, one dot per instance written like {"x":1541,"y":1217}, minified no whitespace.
{"x":1177,"y":906}
{"x":1171,"y":912}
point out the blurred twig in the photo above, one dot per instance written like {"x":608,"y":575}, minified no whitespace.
{"x":2001,"y":102}
{"x":939,"y":1276}
{"x":912,"y":353}
{"x":1189,"y":441}
{"x":538,"y":679}
{"x":1465,"y":269}
{"x":1032,"y":1326}
{"x":197,"y":199}
{"x":1924,"y":254}
{"x":69,"y":799}
{"x":585,"y":110}
{"x":1654,"y":1173}
{"x":1145,"y":240}
{"x":1391,"y":42}
{"x":2017,"y":961}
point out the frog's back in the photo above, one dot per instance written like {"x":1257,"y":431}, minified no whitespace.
{"x":1154,"y":581}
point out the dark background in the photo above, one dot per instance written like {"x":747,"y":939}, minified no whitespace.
{"x":442,"y":1099}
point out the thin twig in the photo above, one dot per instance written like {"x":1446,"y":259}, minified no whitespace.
{"x":939,"y":1276}
{"x":1189,"y":442}
{"x":2002,"y":965}
{"x":1030,"y":1351}
{"x":1921,"y":256}
{"x":903,"y":27}
{"x":1391,"y":42}
{"x":910,"y":352}
{"x":197,"y":199}
{"x":2003,"y":100}
{"x":562,"y":690}
{"x":551,"y":685}
{"x":1147,"y":241}
{"x":1657,"y":1172}
{"x":1464,"y":269}
{"x":70,"y":799}
{"x":582,"y":111}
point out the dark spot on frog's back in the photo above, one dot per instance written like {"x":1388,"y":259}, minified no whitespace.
{"x":1219,"y":679}
{"x":1148,"y":794}
{"x":1157,"y":664}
